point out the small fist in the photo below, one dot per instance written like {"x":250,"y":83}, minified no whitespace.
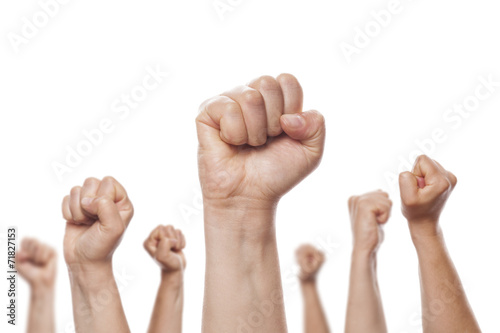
{"x":97,"y":216}
{"x":255,"y":143}
{"x":36,"y":263}
{"x":368,"y":213}
{"x":165,"y":245}
{"x":425,"y":190}
{"x":310,"y":261}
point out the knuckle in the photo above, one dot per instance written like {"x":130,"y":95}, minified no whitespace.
{"x":109,"y":179}
{"x":251,"y":97}
{"x":75,"y":190}
{"x":268,"y":83}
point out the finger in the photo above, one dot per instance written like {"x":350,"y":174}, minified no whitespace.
{"x":271,"y":91}
{"x":180,"y":240}
{"x":426,"y":168}
{"x":164,"y":248}
{"x":76,"y":208}
{"x":169,"y":231}
{"x":453,"y":179}
{"x":151,"y":243}
{"x":306,"y":127}
{"x":384,"y":212}
{"x":89,"y":190}
{"x":66,"y":211}
{"x":183,"y":241}
{"x":111,"y":222}
{"x":408,"y":186}
{"x":292,"y":93}
{"x":112,"y":189}
{"x":221,"y":122}
{"x":254,"y":113}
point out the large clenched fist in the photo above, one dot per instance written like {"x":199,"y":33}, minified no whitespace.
{"x":36,"y":263}
{"x":256,"y":143}
{"x":165,"y":245}
{"x":424,"y":191}
{"x":368,"y":213}
{"x":310,"y":261}
{"x":97,"y":215}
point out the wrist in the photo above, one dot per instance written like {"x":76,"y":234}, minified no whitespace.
{"x":173,"y":280}
{"x":360,"y":254}
{"x":308,"y":282}
{"x":91,"y":276}
{"x":42,"y":291}
{"x":424,"y":230}
{"x":240,"y":220}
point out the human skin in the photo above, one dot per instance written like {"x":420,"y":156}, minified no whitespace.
{"x":165,"y":245}
{"x":310,"y":261}
{"x":37,"y":263}
{"x":97,"y":215}
{"x":364,"y":307}
{"x":255,"y":144}
{"x":424,"y":193}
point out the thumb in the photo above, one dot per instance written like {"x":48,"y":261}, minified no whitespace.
{"x":306,"y":127}
{"x":106,"y":211}
{"x":166,"y":245}
{"x":408,"y":186}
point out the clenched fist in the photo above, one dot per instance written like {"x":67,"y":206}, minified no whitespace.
{"x":424,"y":193}
{"x":165,"y":245}
{"x":97,"y":215}
{"x":368,"y":213}
{"x":255,"y":143}
{"x":310,"y":261}
{"x":36,"y":263}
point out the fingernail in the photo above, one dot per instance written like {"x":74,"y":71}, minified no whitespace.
{"x":86,"y":201}
{"x":294,"y":120}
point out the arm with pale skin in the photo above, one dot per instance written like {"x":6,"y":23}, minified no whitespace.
{"x":310,"y":261}
{"x":97,"y":215}
{"x":36,"y":263}
{"x":364,"y":307}
{"x":255,"y":144}
{"x":165,"y":245}
{"x":424,"y":193}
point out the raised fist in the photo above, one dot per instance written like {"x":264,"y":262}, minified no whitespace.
{"x":368,"y":213}
{"x":256,"y":143}
{"x":36,"y":263}
{"x":97,"y":215}
{"x":165,"y":245}
{"x":424,"y":192}
{"x":310,"y":261}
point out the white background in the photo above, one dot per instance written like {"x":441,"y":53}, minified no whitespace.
{"x":396,"y":90}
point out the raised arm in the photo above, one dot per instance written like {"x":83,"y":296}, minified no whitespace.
{"x":255,"y":144}
{"x":424,"y":193}
{"x":36,"y":263}
{"x":165,"y":245}
{"x":310,"y":261}
{"x":364,"y":307}
{"x":97,"y":216}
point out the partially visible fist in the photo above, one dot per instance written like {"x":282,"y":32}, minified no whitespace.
{"x":36,"y":263}
{"x":255,"y":143}
{"x":97,"y":216}
{"x":310,"y":261}
{"x":368,"y":213}
{"x":425,"y":190}
{"x":165,"y":245}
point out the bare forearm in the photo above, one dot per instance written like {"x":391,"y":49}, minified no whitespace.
{"x":444,"y":303}
{"x":242,"y":283}
{"x":314,"y":317}
{"x":41,"y":310}
{"x":167,"y":312}
{"x":364,"y":307}
{"x":97,"y":306}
